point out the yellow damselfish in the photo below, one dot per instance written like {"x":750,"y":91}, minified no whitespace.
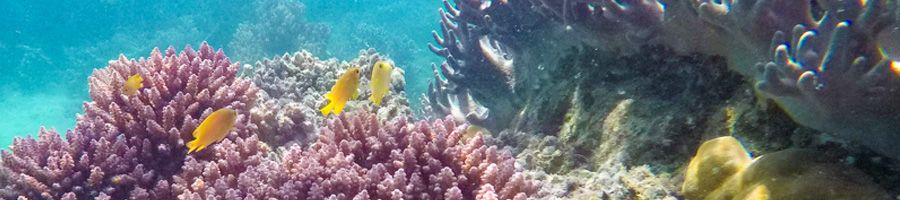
{"x":471,"y":131}
{"x":133,"y":84}
{"x":343,"y":90}
{"x":381,"y":81}
{"x":213,"y":129}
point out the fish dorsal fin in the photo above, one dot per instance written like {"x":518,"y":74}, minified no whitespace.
{"x":197,"y":131}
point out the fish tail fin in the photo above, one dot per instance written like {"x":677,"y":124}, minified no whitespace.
{"x":328,"y":108}
{"x":194,"y":146}
{"x":339,"y":108}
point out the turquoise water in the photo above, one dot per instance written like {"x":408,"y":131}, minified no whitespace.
{"x":49,"y":48}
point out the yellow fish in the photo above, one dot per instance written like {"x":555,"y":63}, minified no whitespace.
{"x":133,"y":84}
{"x":471,"y":131}
{"x":381,"y":81}
{"x":213,"y":129}
{"x":343,"y":90}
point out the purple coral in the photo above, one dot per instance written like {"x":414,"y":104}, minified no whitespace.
{"x":131,"y":145}
{"x":359,"y":156}
{"x":421,"y":161}
{"x":224,"y":172}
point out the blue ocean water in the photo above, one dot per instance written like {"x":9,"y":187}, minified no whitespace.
{"x":49,"y":48}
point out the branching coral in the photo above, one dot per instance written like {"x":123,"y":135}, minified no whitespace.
{"x":480,"y":65}
{"x":359,"y":156}
{"x":132,"y":145}
{"x":225,"y":175}
{"x":423,"y":161}
{"x":445,"y":99}
{"x":279,"y":27}
{"x":294,"y":86}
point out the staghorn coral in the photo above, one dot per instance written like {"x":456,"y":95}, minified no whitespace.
{"x":280,"y":26}
{"x":293,"y":88}
{"x":132,"y":145}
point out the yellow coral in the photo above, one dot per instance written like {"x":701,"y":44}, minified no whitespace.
{"x":721,"y":170}
{"x":716,"y":161}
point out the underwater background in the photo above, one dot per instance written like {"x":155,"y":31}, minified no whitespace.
{"x":450,"y":99}
{"x":49,"y":48}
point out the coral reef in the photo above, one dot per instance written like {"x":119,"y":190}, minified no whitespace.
{"x":831,"y":77}
{"x":722,"y":169}
{"x":228,"y":171}
{"x":361,"y":157}
{"x":132,"y":145}
{"x":293,"y":88}
{"x":601,"y":84}
{"x":278,"y":26}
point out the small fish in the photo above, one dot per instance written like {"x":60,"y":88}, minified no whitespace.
{"x":213,"y":129}
{"x":381,"y":81}
{"x":343,"y":90}
{"x":133,"y":84}
{"x":471,"y":131}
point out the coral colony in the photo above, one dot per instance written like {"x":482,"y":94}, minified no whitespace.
{"x":545,"y":75}
{"x":134,"y":147}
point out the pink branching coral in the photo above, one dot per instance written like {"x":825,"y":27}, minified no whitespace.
{"x":400,"y":160}
{"x":360,"y":157}
{"x":132,"y":145}
{"x":223,"y":173}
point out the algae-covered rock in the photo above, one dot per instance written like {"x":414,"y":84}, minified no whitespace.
{"x":721,"y":170}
